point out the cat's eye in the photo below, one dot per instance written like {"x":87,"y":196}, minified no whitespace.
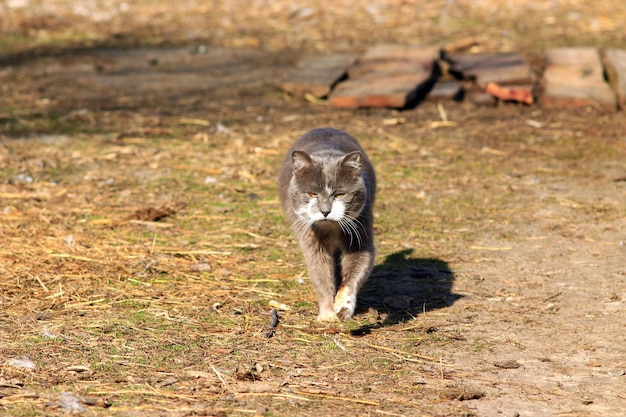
{"x":340,"y":195}
{"x":312,"y":195}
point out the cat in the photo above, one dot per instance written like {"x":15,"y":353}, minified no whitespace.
{"x":327,"y":187}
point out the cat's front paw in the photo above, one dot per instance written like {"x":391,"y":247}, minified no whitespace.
{"x":345,"y":303}
{"x":328,"y":316}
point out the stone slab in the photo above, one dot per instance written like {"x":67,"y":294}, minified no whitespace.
{"x":317,"y":74}
{"x":616,"y":67}
{"x":500,"y":68}
{"x":388,"y":75}
{"x":574,"y":77}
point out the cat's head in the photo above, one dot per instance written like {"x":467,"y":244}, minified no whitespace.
{"x":328,"y":188}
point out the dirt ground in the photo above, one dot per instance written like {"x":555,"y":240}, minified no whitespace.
{"x":143,"y":249}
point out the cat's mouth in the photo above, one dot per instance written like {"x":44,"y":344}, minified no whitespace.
{"x":326,"y":222}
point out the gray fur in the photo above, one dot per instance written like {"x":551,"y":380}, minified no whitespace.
{"x":327,"y":188}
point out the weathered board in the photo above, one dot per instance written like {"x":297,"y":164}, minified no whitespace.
{"x":616,"y":63}
{"x":317,"y":74}
{"x":500,"y":68}
{"x":388,"y":75}
{"x":574,"y":77}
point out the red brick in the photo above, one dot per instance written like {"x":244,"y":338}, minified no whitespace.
{"x":317,"y":74}
{"x":387,"y":75}
{"x":616,"y":67}
{"x":574,"y":78}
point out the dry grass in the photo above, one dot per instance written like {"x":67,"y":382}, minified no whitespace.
{"x":139,"y":275}
{"x":169,"y":314}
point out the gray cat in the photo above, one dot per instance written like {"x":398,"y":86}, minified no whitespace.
{"x":327,"y":186}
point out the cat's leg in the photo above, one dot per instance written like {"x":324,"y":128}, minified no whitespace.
{"x":320,"y":265}
{"x":356,"y":268}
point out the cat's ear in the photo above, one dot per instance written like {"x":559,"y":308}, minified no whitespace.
{"x":352,"y":163}
{"x":301,"y":162}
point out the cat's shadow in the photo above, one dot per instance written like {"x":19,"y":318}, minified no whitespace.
{"x":402,"y":287}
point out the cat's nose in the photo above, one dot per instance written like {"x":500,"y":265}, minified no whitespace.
{"x":325,"y":207}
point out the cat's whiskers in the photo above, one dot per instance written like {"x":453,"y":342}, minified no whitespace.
{"x":353,"y":219}
{"x":301,"y":225}
{"x":345,"y":229}
{"x":347,"y":224}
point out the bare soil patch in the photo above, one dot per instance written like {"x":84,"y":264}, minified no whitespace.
{"x":146,"y":269}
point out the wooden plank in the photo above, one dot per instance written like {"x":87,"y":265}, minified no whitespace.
{"x":574,"y":77}
{"x":395,"y":91}
{"x":392,"y":52}
{"x":500,"y":68}
{"x":388,"y":75}
{"x":317,"y":74}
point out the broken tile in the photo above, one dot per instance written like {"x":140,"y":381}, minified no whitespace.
{"x":521,"y":94}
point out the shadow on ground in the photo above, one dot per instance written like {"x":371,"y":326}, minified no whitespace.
{"x":151,"y":80}
{"x":402,"y":287}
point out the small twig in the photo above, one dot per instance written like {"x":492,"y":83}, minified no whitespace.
{"x":76,"y":257}
{"x":219,"y":376}
{"x":58,"y":294}
{"x":273,"y":394}
{"x":552,"y":297}
{"x":84,"y":303}
{"x":193,"y":121}
{"x":268,"y":293}
{"x":442,"y":112}
{"x":252,"y":234}
{"x":332,"y":397}
{"x":151,"y":391}
{"x":194,"y":252}
{"x":402,"y":355}
{"x":147,"y":267}
{"x":153,"y":243}
{"x":42,"y":284}
{"x":339,"y":344}
{"x":387,"y":413}
{"x":491,"y":248}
